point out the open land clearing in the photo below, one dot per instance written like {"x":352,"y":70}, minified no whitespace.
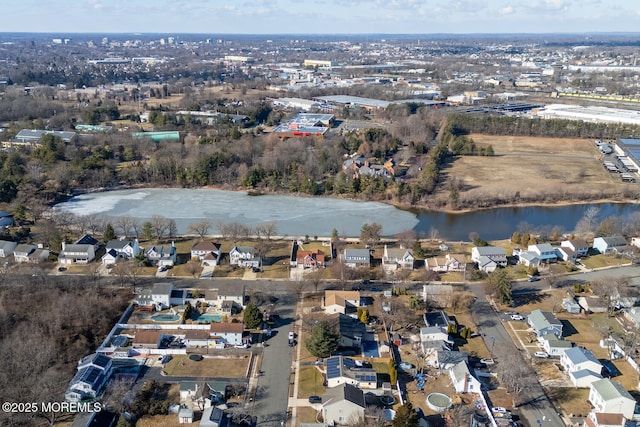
{"x":532,"y":170}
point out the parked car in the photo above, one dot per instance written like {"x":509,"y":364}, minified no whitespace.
{"x":487,"y":361}
{"x":541,"y":354}
{"x":243,"y":345}
{"x":499,"y":410}
{"x":533,"y":279}
{"x":516,"y":317}
{"x":315,"y":399}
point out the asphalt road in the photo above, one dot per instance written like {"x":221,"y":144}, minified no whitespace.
{"x":537,"y":406}
{"x":272,"y":393}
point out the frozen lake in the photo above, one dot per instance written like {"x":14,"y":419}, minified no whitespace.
{"x":295,"y":216}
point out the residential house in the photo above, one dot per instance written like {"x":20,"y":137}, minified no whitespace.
{"x":633,"y":315}
{"x":397,"y":258}
{"x":571,"y":305}
{"x":352,"y":331}
{"x":231,"y":293}
{"x":342,"y":404}
{"x":447,"y":263}
{"x":22,"y":252}
{"x":227,"y":333}
{"x":554,"y":346}
{"x":544,"y":322}
{"x":161,"y":294}
{"x":437,"y":318}
{"x":566,"y":254}
{"x":344,"y":302}
{"x":76,"y":253}
{"x":544,"y":251}
{"x":148,"y":338}
{"x":87,"y":239}
{"x":487,"y":265}
{"x":528,"y":258}
{"x":185,"y":415}
{"x":355,"y":258}
{"x":635,"y":241}
{"x":110,"y":257}
{"x":6,"y":248}
{"x":244,"y":256}
{"x":344,"y":370}
{"x":6,"y":219}
{"x":446,"y":359}
{"x":610,"y":397}
{"x":599,"y":419}
{"x":593,"y":304}
{"x":434,"y":338}
{"x":582,"y":366}
{"x":213,"y":417}
{"x":310,"y":259}
{"x":497,"y":254}
{"x":610,"y":244}
{"x":93,"y":372}
{"x":577,"y":248}
{"x":125,"y":249}
{"x":161,"y":255}
{"x":463,"y":380}
{"x":206,"y":252}
{"x":197,"y":338}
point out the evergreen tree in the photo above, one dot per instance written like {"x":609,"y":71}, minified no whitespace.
{"x":405,"y":416}
{"x":323,"y":339}
{"x":252,"y":316}
{"x":109,"y":233}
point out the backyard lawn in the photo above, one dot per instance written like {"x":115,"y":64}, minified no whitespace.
{"x":182,"y":366}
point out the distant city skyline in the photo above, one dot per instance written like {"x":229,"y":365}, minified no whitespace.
{"x":320,"y":16}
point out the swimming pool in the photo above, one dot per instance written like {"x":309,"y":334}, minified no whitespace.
{"x":165,"y":317}
{"x":208,"y":318}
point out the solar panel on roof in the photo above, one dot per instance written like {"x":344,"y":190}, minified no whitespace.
{"x":629,"y":141}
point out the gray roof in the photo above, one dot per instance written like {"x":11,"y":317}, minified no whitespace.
{"x":350,"y":327}
{"x":615,"y":240}
{"x":490,"y":250}
{"x":117,"y":244}
{"x":75,"y":248}
{"x":24,"y":248}
{"x":357,"y":254}
{"x":87,"y":240}
{"x":610,"y":389}
{"x":161,"y":289}
{"x":543,"y":319}
{"x":5,"y":244}
{"x":580,"y":355}
{"x":33,"y":134}
{"x":346,"y":392}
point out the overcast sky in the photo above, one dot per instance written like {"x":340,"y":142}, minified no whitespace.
{"x":320,"y":16}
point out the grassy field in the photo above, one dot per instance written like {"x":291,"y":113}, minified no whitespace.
{"x":532,"y":167}
{"x":571,"y":400}
{"x":182,"y":366}
{"x":310,"y":382}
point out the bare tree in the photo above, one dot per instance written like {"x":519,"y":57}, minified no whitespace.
{"x":267,"y":229}
{"x":314,"y":278}
{"x":119,"y":393}
{"x":160,"y":225}
{"x":407,"y":238}
{"x":95,"y":223}
{"x":192,"y":268}
{"x":201,"y":228}
{"x":125,"y":224}
{"x":514,"y":375}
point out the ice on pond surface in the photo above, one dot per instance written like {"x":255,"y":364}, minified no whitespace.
{"x":313,"y":216}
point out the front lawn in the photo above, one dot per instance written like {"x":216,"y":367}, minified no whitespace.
{"x":310,"y":382}
{"x":182,"y":366}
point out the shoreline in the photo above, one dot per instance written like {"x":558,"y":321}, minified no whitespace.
{"x":409,"y":208}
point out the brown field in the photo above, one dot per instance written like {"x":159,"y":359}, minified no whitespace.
{"x":534,"y":167}
{"x":182,"y":366}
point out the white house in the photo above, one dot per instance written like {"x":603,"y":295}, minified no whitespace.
{"x":344,"y":370}
{"x":581,"y":365}
{"x":528,"y":258}
{"x":449,"y":262}
{"x":227,"y":333}
{"x":76,"y":253}
{"x":6,"y":248}
{"x":244,"y":256}
{"x":579,"y":247}
{"x":610,"y":244}
{"x":496,"y":254}
{"x":610,"y":397}
{"x":206,"y":252}
{"x":93,"y":372}
{"x":354,"y":258}
{"x":635,"y":241}
{"x":462,"y":379}
{"x":161,"y":255}
{"x":342,"y":404}
{"x":161,"y":294}
{"x":554,"y":346}
{"x":544,"y":322}
{"x":544,"y":251}
{"x":397,"y":258}
{"x":341,"y":301}
{"x":125,"y":249}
